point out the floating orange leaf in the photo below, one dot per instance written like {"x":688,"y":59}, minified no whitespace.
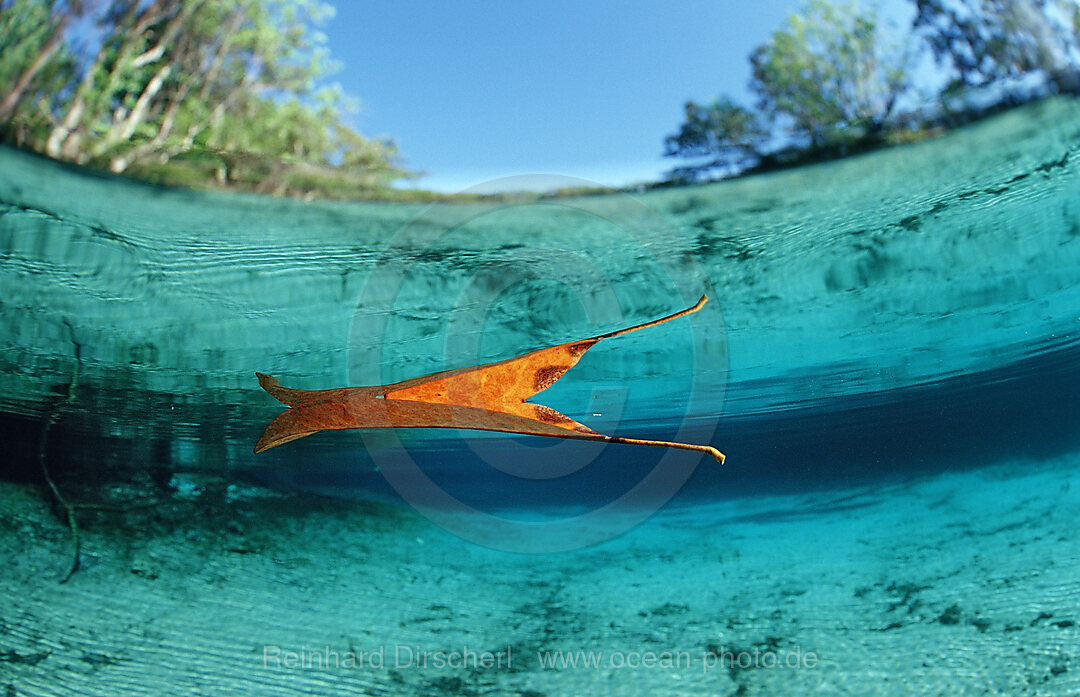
{"x":488,"y":397}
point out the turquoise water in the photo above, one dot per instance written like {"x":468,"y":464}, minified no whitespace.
{"x":859,"y":296}
{"x":903,"y":316}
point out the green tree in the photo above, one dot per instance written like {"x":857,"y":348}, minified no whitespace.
{"x":829,"y":74}
{"x":228,"y":87}
{"x":31,"y":55}
{"x":726,"y":133}
{"x":826,"y":79}
{"x":982,"y":42}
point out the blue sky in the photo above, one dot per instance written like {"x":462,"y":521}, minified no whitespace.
{"x":475,"y":90}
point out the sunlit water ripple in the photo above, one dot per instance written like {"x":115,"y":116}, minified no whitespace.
{"x":904,"y":310}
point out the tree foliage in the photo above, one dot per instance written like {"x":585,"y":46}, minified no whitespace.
{"x":33,"y":59}
{"x":729,"y":135}
{"x":228,"y":89}
{"x":981,"y":42}
{"x":824,"y":79}
{"x":827,"y":72}
{"x":829,"y":81}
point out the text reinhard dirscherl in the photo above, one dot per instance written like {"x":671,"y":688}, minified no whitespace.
{"x":404,"y":656}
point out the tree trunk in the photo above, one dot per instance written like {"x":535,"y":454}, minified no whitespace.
{"x":11,"y":100}
{"x":65,"y":138}
{"x":121,"y":162}
{"x":55,"y":145}
{"x":126,"y":128}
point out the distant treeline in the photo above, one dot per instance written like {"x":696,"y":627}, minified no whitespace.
{"x":833,"y":81}
{"x":185,"y":92}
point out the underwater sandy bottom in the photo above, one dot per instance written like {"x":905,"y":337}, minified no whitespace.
{"x":961,"y":584}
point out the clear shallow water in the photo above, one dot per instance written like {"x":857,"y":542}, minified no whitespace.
{"x":889,"y":359}
{"x":897,"y":312}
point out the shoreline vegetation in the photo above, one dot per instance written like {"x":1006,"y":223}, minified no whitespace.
{"x":836,"y":80}
{"x":230,"y":95}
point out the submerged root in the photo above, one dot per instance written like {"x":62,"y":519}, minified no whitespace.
{"x":68,"y":507}
{"x":54,"y":417}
